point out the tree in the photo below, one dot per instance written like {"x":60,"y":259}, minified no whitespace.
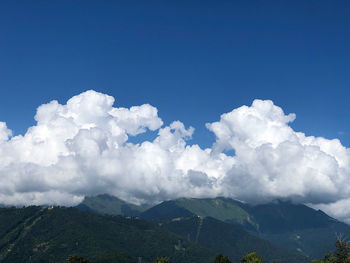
{"x":76,"y":259}
{"x":221,"y":259}
{"x":252,"y":258}
{"x":340,"y":255}
{"x":342,"y":251}
{"x":162,"y":260}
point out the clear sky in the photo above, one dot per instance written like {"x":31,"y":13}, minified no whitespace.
{"x":193,"y":60}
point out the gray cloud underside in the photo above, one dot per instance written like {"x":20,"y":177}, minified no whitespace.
{"x":82,"y":148}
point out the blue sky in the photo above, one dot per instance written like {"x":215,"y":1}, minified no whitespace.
{"x":193,"y":60}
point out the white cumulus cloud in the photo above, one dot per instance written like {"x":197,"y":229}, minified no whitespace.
{"x":274,"y":161}
{"x":83,"y":148}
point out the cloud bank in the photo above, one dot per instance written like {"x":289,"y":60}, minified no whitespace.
{"x":83,"y":148}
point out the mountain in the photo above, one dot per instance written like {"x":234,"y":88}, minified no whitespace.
{"x":111,"y":205}
{"x":298,"y":227}
{"x":278,"y":217}
{"x":37,"y":234}
{"x":295,"y":227}
{"x":232,"y":241}
{"x":224,"y":209}
{"x":228,"y":239}
{"x":166,"y":210}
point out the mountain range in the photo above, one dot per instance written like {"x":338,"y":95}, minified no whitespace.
{"x":293,"y":227}
{"x":185,"y":230}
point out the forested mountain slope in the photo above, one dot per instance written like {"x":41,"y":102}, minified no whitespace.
{"x":295,"y":227}
{"x":228,"y":239}
{"x":36,"y":234}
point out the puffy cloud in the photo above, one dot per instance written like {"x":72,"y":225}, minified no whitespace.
{"x":83,"y":148}
{"x":5,"y":133}
{"x":274,"y":161}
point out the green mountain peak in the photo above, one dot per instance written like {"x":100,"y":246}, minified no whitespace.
{"x":111,"y":205}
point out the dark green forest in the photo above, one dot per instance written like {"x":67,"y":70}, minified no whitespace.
{"x":177,"y":231}
{"x":340,"y":255}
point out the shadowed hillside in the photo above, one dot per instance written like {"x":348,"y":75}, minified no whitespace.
{"x":228,"y":239}
{"x":295,"y":227}
{"x":36,"y":234}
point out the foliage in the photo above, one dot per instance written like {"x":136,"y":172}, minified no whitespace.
{"x":162,"y":260}
{"x":221,"y":259}
{"x":293,"y":227}
{"x":340,"y":255}
{"x":37,"y":234}
{"x":342,"y":251}
{"x":252,"y":258}
{"x":298,"y":227}
{"x":76,"y":259}
{"x":229,"y":239}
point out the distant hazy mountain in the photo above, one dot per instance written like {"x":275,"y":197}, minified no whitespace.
{"x":298,"y":227}
{"x":36,"y":234}
{"x":228,"y":239}
{"x":111,"y":205}
{"x":295,"y":227}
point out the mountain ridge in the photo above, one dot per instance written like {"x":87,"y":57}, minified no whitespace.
{"x":295,"y":227}
{"x":111,"y":205}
